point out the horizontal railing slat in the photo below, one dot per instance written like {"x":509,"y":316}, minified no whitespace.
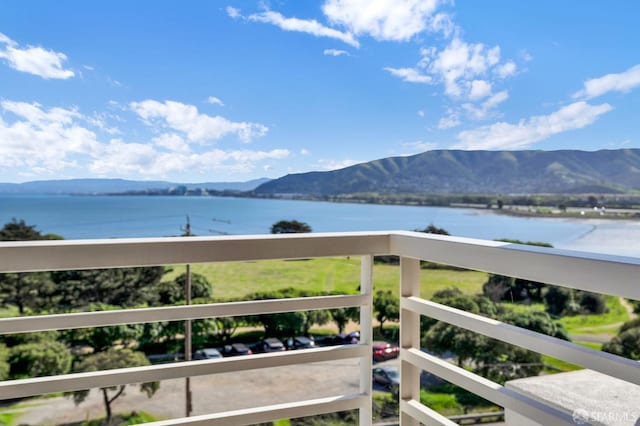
{"x":106,"y":378}
{"x":272,"y":412}
{"x":424,"y":414}
{"x":175,"y":313}
{"x":613,"y":365}
{"x":507,"y":398}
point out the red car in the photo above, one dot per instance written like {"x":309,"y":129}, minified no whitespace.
{"x":383,"y":351}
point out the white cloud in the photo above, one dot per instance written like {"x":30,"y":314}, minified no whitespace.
{"x":308,"y":26}
{"x":418,"y":146}
{"x":34,"y":60}
{"x":485,"y":109}
{"x":410,"y":75}
{"x":59,"y":141}
{"x":442,"y":22}
{"x":198,"y":127}
{"x":420,"y":113}
{"x":451,"y":120}
{"x":479,"y":89}
{"x":335,"y":52}
{"x":305,"y":151}
{"x":214,"y":101}
{"x":172,"y":142}
{"x":505,"y":70}
{"x":621,"y":82}
{"x":526,"y":132}
{"x":463,"y":68}
{"x":397,"y":20}
{"x":461,"y":62}
{"x":48,"y":139}
{"x":233,"y":12}
{"x":121,"y":158}
{"x":526,"y":56}
{"x":336,"y":164}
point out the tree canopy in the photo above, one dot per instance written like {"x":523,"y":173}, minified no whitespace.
{"x":493,"y":359}
{"x":627,"y":342}
{"x":386,"y":307}
{"x":45,"y":358}
{"x":110,"y":359}
{"x":290,"y":227}
{"x":25,"y":290}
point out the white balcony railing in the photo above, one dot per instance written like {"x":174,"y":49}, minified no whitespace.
{"x":591,"y":272}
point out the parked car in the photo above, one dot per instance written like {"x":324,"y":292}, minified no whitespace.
{"x":207,"y":353}
{"x":235,"y":349}
{"x":387,"y":376}
{"x":339,"y":339}
{"x":300,"y":342}
{"x":383,"y":351}
{"x":330,"y":340}
{"x":270,"y":345}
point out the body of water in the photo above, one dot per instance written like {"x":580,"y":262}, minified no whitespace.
{"x":81,"y":217}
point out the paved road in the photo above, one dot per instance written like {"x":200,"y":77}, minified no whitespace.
{"x":213,"y":393}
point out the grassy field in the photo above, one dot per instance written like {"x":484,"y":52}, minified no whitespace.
{"x":604,"y":324}
{"x":235,"y":280}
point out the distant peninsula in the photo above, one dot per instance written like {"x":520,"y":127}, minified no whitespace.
{"x":124,"y":186}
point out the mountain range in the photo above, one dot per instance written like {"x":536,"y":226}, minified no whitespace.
{"x":105,"y":186}
{"x":474,"y":172}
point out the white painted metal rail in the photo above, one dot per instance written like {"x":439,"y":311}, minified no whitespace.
{"x":598,"y":273}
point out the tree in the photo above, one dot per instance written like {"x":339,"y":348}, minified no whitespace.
{"x":45,"y":358}
{"x":497,"y":287}
{"x":19,"y":231}
{"x":4,"y":365}
{"x":341,"y":317}
{"x":124,"y":287}
{"x":627,"y":342}
{"x":443,"y":338}
{"x":110,"y":359}
{"x":432,"y":229}
{"x":493,"y":359}
{"x":24,"y":290}
{"x":591,"y":303}
{"x":386,"y":307}
{"x":103,"y":338}
{"x":290,"y":227}
{"x":172,"y":292}
{"x":556,"y":300}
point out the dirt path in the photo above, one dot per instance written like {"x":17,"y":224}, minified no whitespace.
{"x":624,"y":302}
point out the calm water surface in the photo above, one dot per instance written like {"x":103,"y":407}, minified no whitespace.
{"x":145,"y":216}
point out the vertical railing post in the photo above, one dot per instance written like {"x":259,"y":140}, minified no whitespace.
{"x":366,"y":312}
{"x":409,"y":336}
{"x":188,"y":349}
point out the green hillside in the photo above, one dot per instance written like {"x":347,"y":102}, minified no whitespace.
{"x":481,"y":172}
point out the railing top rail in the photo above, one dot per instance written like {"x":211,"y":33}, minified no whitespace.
{"x":595,"y":272}
{"x":30,"y":256}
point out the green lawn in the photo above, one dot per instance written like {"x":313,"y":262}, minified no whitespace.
{"x":606,"y":324}
{"x":342,"y":275}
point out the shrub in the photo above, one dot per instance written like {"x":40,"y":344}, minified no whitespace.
{"x":39,"y":359}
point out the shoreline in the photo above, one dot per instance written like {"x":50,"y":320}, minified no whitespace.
{"x":554,"y":213}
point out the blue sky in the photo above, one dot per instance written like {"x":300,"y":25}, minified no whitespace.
{"x":234,"y":90}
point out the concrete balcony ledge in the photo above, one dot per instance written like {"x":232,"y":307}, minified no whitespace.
{"x":591,"y":398}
